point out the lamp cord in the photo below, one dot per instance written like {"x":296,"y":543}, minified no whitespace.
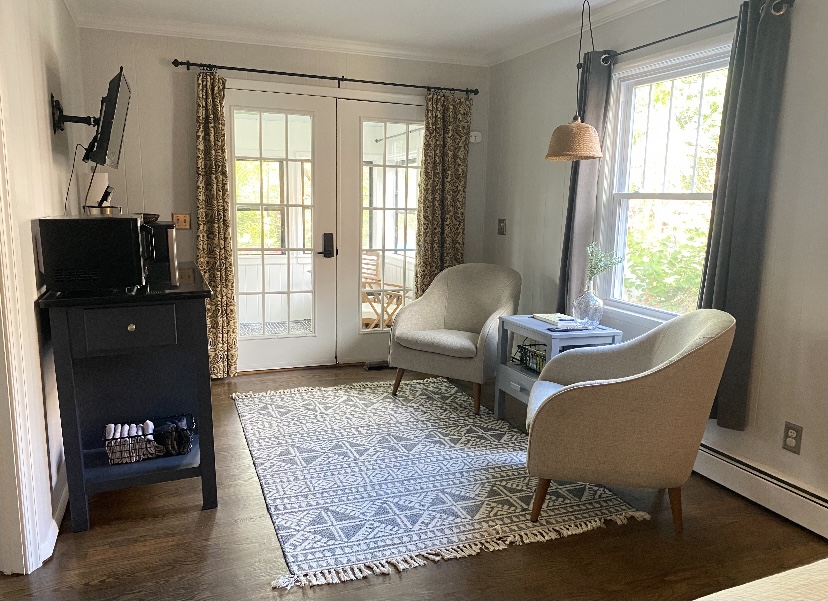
{"x":71,"y":174}
{"x":91,"y":179}
{"x":586,"y":6}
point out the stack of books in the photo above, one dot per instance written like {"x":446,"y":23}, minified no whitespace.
{"x":559,"y":321}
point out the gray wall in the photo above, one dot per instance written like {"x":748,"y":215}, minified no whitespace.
{"x":533,"y":93}
{"x":157,"y":173}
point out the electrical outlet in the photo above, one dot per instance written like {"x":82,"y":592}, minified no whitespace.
{"x":792,"y":438}
{"x":181,"y":221}
{"x":501,"y":227}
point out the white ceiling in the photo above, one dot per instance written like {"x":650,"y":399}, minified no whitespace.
{"x":474,"y":32}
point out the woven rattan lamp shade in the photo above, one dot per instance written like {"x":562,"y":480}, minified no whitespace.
{"x":574,"y":141}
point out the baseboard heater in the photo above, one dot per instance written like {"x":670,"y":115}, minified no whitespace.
{"x":798,"y":504}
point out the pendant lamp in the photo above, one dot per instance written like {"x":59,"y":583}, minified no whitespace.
{"x":576,"y":141}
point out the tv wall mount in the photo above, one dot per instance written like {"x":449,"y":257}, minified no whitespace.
{"x":60,"y":119}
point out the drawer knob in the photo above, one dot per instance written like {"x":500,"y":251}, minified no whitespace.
{"x":131,"y":327}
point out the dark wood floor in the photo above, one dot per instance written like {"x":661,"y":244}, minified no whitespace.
{"x":156,"y":543}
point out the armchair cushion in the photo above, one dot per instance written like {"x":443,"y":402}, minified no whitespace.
{"x":454,"y":343}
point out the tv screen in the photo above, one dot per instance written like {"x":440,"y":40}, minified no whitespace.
{"x":105,"y":147}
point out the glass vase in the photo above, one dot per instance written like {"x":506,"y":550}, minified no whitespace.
{"x":588,"y":309}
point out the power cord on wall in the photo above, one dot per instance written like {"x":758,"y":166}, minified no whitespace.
{"x":71,"y":174}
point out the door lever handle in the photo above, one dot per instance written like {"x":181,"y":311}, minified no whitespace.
{"x":328,"y":250}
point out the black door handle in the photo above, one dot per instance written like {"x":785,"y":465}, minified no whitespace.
{"x":328,"y":250}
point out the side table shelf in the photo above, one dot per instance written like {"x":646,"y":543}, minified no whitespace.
{"x":517,"y":380}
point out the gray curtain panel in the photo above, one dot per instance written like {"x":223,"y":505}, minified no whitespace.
{"x":583,"y":184}
{"x":441,"y":218}
{"x":214,"y":239}
{"x":735,"y":248}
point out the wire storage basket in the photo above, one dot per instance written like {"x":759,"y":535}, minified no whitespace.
{"x":532,"y":356}
{"x":171,"y":436}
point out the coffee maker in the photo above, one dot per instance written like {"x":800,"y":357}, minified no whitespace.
{"x":162,"y":265}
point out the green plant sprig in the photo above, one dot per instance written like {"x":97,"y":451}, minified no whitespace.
{"x":599,"y":261}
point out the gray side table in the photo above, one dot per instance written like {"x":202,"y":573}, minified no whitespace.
{"x":518,"y":380}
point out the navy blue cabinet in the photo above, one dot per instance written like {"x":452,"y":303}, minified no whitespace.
{"x":124,"y":358}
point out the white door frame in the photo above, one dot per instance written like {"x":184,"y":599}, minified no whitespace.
{"x":20,"y":536}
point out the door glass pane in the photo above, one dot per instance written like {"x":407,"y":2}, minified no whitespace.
{"x":246,"y":133}
{"x":276,"y":313}
{"x":395,"y":188}
{"x":415,"y":144}
{"x":272,"y":182}
{"x":413,"y":188}
{"x":301,"y":271}
{"x":273,"y":135}
{"x":275,"y":168}
{"x":307,"y":183}
{"x":250,"y":271}
{"x":250,"y":315}
{"x":301,"y":313}
{"x":274,"y":236}
{"x":389,"y":219}
{"x":248,"y":227}
{"x":372,"y":186}
{"x":248,"y":182}
{"x":373,"y":143}
{"x":395,"y":144}
{"x":299,"y":137}
{"x":275,"y":267}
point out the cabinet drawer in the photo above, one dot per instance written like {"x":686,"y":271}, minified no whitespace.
{"x":113,"y":328}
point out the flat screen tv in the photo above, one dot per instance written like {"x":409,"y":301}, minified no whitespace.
{"x":105,"y":147}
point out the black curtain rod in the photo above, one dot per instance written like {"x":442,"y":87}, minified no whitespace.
{"x":607,"y":58}
{"x":339,"y":80}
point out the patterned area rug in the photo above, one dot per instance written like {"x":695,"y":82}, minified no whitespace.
{"x":359,"y":482}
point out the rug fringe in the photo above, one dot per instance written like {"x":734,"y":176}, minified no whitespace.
{"x":414,"y":560}
{"x":239,"y":396}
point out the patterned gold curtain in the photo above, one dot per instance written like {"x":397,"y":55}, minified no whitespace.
{"x":214,"y":238}
{"x":441,"y":217}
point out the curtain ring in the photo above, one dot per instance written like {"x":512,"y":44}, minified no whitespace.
{"x":783,"y":4}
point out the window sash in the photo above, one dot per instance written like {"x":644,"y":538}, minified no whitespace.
{"x":612,"y":225}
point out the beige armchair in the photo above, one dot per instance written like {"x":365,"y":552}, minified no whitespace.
{"x":451,"y":330}
{"x":631,"y":414}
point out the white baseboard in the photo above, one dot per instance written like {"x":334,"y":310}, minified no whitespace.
{"x":47,"y":547}
{"x":788,"y":500}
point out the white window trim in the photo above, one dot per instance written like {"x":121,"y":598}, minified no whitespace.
{"x":702,"y":56}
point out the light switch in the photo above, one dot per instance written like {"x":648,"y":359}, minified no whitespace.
{"x":501,"y":227}
{"x":181,"y":221}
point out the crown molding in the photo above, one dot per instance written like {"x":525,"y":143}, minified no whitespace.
{"x":284,"y":40}
{"x":566,"y":29}
{"x":600,"y":16}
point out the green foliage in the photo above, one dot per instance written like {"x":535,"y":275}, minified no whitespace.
{"x":599,"y":261}
{"x":664,"y":264}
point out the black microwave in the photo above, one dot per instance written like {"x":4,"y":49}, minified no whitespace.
{"x":93,"y":252}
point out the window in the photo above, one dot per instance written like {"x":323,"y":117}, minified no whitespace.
{"x":656,"y":213}
{"x":391,"y":155}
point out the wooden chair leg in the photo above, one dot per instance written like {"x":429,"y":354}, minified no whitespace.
{"x":397,"y":380}
{"x":478,"y":390}
{"x":675,"y":506}
{"x":540,"y":497}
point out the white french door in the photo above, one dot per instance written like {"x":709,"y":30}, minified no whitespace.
{"x":282,"y":165}
{"x":380,"y":150}
{"x":306,"y":165}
